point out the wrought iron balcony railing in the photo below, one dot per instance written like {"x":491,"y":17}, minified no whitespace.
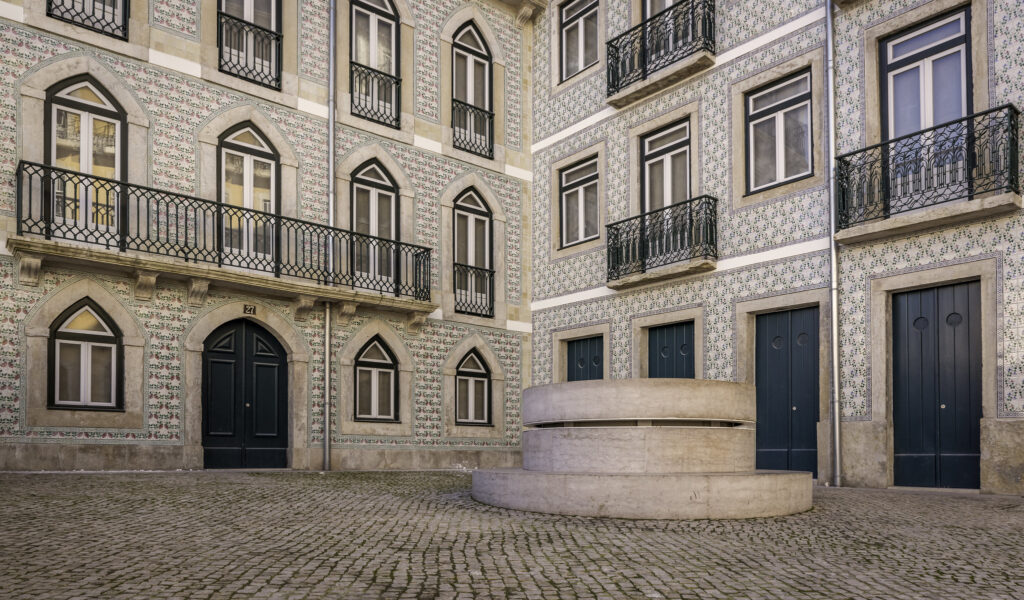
{"x":109,"y":17}
{"x":376,"y":95}
{"x":474,"y":290}
{"x":249,"y":51}
{"x":975,"y":155}
{"x":661,"y":237}
{"x":60,"y":204}
{"x":472,"y":129}
{"x":665,"y":38}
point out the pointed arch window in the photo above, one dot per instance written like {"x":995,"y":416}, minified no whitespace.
{"x":472,"y":391}
{"x":376,"y":382}
{"x":249,"y":187}
{"x":472,"y":116}
{"x":87,"y":135}
{"x":374,"y":61}
{"x":86,"y":358}
{"x":375,"y":216}
{"x":473,"y":272}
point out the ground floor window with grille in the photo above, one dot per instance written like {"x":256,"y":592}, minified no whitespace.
{"x":779,"y":132}
{"x":473,"y":391}
{"x":85,"y":355}
{"x":376,"y":382}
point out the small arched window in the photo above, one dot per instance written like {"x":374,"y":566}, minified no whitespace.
{"x":472,"y":391}
{"x":374,"y":61}
{"x":86,"y":359}
{"x":87,"y":139}
{"x":249,"y":182}
{"x":474,"y":277}
{"x":376,"y":382}
{"x":472,"y":119}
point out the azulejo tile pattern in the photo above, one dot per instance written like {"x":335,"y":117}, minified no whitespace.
{"x":314,"y":22}
{"x":177,"y":16}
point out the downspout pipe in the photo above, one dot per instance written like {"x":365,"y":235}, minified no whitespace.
{"x":331,"y":79}
{"x":830,"y":110}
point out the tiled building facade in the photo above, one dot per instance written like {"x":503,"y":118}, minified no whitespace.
{"x":588,"y":100}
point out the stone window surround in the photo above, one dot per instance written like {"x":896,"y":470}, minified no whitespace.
{"x":642,"y":324}
{"x":345,"y":416}
{"x":137,"y":45}
{"x":406,"y":190}
{"x":815,"y":60}
{"x":474,"y":341}
{"x":447,"y":253}
{"x":471,"y":12}
{"x":559,"y":85}
{"x":746,"y":323}
{"x":407,"y":74}
{"x":557,"y":251}
{"x":131,"y":378}
{"x":979,"y":57}
{"x":636,"y":135}
{"x":559,"y":347}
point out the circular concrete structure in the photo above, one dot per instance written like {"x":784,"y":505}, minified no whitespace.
{"x":643,"y":449}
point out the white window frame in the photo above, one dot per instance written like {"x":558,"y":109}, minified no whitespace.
{"x":925,"y":87}
{"x":374,"y":20}
{"x":85,"y":363}
{"x":780,"y":132}
{"x":248,"y":187}
{"x":578,"y":189}
{"x":577,"y":22}
{"x":471,"y":378}
{"x":661,"y":155}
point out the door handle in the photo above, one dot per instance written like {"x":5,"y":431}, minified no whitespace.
{"x":247,"y":405}
{"x":794,"y":408}
{"x":942,"y":406}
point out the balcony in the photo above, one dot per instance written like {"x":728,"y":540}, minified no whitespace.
{"x":668,"y":47}
{"x":958,"y":171}
{"x":109,"y":17}
{"x":472,"y":129}
{"x":180,"y":236}
{"x":249,"y":51}
{"x":668,"y":242}
{"x":474,"y":290}
{"x":376,"y":95}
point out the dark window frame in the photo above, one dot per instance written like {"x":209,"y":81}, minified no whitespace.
{"x":489,"y":389}
{"x":562,"y":189}
{"x":396,"y":21}
{"x":393,"y":189}
{"x":644,"y":207}
{"x":486,"y":213}
{"x":118,"y":114}
{"x":748,"y":147}
{"x":357,"y":363}
{"x":54,"y":13}
{"x":117,"y":339}
{"x":273,"y":155}
{"x":487,"y":55}
{"x":563,"y":24}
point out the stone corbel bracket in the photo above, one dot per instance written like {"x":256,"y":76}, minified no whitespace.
{"x":197,"y":290}
{"x":303,"y":305}
{"x":30,"y":269}
{"x":145,"y":285}
{"x":415,"y":323}
{"x":346,"y":310}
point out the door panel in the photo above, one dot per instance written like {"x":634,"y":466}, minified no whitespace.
{"x":670,"y":351}
{"x":585,"y":358}
{"x":786,"y":376}
{"x":937,"y":386}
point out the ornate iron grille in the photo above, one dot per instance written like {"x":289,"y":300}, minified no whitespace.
{"x":62,"y":204}
{"x":376,"y":95}
{"x":474,"y":290}
{"x":665,"y":38}
{"x":472,"y":129}
{"x":249,"y":51}
{"x":960,"y":159}
{"x":675,"y":233}
{"x":109,"y":17}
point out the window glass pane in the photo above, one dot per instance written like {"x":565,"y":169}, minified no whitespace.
{"x":235,"y":8}
{"x":947,"y":88}
{"x":384,"y":206}
{"x":480,"y":83}
{"x":262,"y":13}
{"x":375,"y":353}
{"x":590,"y":39}
{"x":656,"y":6}
{"x":262,"y":194}
{"x":480,"y":251}
{"x":479,"y":400}
{"x":579,"y":172}
{"x":471,"y":364}
{"x":85,"y":321}
{"x":68,"y":151}
{"x":797,"y":141}
{"x":461,"y":77}
{"x":234,"y":179}
{"x":655,"y":185}
{"x":680,"y":177}
{"x":669,"y":137}
{"x":468,"y":38}
{"x":572,"y":217}
{"x":384,"y":44}
{"x":763,"y":147}
{"x":362,"y":38}
{"x":461,"y":238}
{"x":248,"y":138}
{"x":780,"y":94}
{"x":927,"y":38}
{"x":69,"y":372}
{"x":384,"y":391}
{"x":572,"y":49}
{"x":590,"y":210}
{"x":101,"y":376}
{"x":364,"y":392}
{"x":86,"y":94}
{"x":462,"y":399}
{"x":362,"y":220}
{"x":906,"y":102}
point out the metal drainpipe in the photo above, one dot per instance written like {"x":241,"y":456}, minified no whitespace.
{"x":333,"y":46}
{"x":833,"y":247}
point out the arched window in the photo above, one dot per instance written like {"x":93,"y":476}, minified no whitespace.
{"x":472,"y":391}
{"x":375,"y":215}
{"x":376,"y":382}
{"x":473,"y":275}
{"x":472,"y":119}
{"x":87,"y":135}
{"x":249,"y":187}
{"x":86,"y":358}
{"x":374,"y":61}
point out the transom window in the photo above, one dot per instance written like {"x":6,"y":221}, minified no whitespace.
{"x":85,"y":351}
{"x":249,"y":174}
{"x":579,"y":200}
{"x":665,"y":155}
{"x":376,"y":382}
{"x":579,"y":36}
{"x":473,"y":391}
{"x":779,"y":132}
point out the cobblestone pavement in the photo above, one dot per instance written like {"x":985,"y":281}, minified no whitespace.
{"x":420,"y":535}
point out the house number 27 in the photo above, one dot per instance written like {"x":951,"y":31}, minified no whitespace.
{"x":249,"y":309}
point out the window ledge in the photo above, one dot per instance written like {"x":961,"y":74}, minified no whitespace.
{"x":679,"y":269}
{"x":930,"y":217}
{"x":663,"y":78}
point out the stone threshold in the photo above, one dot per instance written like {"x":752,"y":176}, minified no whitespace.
{"x":688,"y":267}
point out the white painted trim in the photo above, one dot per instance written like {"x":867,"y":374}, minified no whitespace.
{"x":313,"y":108}
{"x":12,"y":12}
{"x":727,"y":264}
{"x":519,"y":173}
{"x":436,"y":315}
{"x":520,"y":326}
{"x":169,"y":61}
{"x":426,"y":144}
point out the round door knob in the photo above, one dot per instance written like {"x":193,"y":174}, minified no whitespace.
{"x":247,"y":405}
{"x":942,"y":406}
{"x":794,"y":408}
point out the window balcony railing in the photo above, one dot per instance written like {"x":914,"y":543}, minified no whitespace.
{"x":957,"y":160}
{"x":60,"y":204}
{"x":109,"y":17}
{"x":249,"y":51}
{"x":663,"y":39}
{"x":684,"y":231}
{"x":474,"y":290}
{"x":376,"y":95}
{"x":472,"y":129}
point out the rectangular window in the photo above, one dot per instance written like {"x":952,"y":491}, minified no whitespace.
{"x":665,"y":155}
{"x":779,"y":132}
{"x":84,"y":374}
{"x":471,"y":400}
{"x":579,"y":210}
{"x":579,"y":36}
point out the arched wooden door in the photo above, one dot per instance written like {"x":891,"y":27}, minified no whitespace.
{"x":245,"y":398}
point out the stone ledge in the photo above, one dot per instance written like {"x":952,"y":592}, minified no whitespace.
{"x":663,"y":78}
{"x":689,"y":267}
{"x":930,"y":217}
